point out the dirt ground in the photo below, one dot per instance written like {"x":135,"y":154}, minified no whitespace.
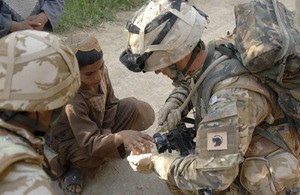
{"x":116,"y":177}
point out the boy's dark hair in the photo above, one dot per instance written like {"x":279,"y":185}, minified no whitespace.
{"x":85,"y":58}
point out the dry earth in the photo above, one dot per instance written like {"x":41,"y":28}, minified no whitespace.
{"x":116,"y":177}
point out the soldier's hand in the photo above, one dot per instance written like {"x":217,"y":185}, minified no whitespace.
{"x":168,"y":116}
{"x":143,"y":163}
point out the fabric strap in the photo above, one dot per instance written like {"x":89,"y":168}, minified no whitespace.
{"x":21,"y":118}
{"x":181,"y":74}
{"x":274,"y":136}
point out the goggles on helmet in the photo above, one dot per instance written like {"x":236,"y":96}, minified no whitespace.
{"x":136,"y":62}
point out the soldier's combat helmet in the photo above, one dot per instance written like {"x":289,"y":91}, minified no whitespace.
{"x":161,"y":33}
{"x":37,"y":72}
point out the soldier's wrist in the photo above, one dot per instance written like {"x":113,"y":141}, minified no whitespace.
{"x":175,"y":101}
{"x":153,"y":161}
{"x":162,"y":164}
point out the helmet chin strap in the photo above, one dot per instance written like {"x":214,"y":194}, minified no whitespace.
{"x":181,"y":74}
{"x":174,"y":70}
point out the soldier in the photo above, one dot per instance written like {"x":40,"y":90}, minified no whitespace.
{"x":165,"y":37}
{"x":18,"y":15}
{"x":38,"y":75}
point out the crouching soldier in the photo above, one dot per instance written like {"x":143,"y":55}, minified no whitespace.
{"x":38,"y":75}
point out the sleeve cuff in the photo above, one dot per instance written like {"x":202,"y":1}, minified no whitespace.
{"x":122,"y":151}
{"x":163,"y":163}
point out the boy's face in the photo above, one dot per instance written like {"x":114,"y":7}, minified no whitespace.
{"x":91,"y":75}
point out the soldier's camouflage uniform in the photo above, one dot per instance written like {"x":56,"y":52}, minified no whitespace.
{"x":37,"y":73}
{"x":298,"y":12}
{"x":229,"y":156}
{"x":20,"y":164}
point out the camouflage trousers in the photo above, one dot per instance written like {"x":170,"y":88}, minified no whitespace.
{"x":24,"y":178}
{"x":233,"y":189}
{"x":20,"y":168}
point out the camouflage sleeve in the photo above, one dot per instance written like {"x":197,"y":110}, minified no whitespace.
{"x":180,"y":92}
{"x":179,"y":95}
{"x":53,"y":10}
{"x":233,"y":114}
{"x":21,"y":163}
{"x":23,"y":173}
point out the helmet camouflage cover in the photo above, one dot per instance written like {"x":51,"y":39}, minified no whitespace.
{"x":181,"y":39}
{"x":37,"y":72}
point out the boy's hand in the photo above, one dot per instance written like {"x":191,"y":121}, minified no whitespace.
{"x":38,"y":21}
{"x":34,"y":22}
{"x":24,"y":25}
{"x":135,"y":141}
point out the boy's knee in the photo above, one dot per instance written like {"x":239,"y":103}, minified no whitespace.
{"x":144,"y":113}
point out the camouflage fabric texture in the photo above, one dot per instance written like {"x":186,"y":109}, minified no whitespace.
{"x":268,"y":45}
{"x":37,"y":72}
{"x":236,"y":111}
{"x":236,"y":104}
{"x":263,"y":163}
{"x":298,"y":12}
{"x":20,"y":165}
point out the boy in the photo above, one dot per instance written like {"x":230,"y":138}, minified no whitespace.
{"x":95,"y":125}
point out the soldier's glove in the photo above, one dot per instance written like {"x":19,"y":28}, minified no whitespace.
{"x":168,"y":116}
{"x":143,"y":163}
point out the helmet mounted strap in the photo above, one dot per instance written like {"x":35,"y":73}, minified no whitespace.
{"x":175,"y":70}
{"x":181,"y":74}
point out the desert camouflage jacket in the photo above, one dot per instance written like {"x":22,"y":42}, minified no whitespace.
{"x":14,"y":148}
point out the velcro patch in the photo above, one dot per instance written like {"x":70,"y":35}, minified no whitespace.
{"x":217,"y":147}
{"x":217,"y":140}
